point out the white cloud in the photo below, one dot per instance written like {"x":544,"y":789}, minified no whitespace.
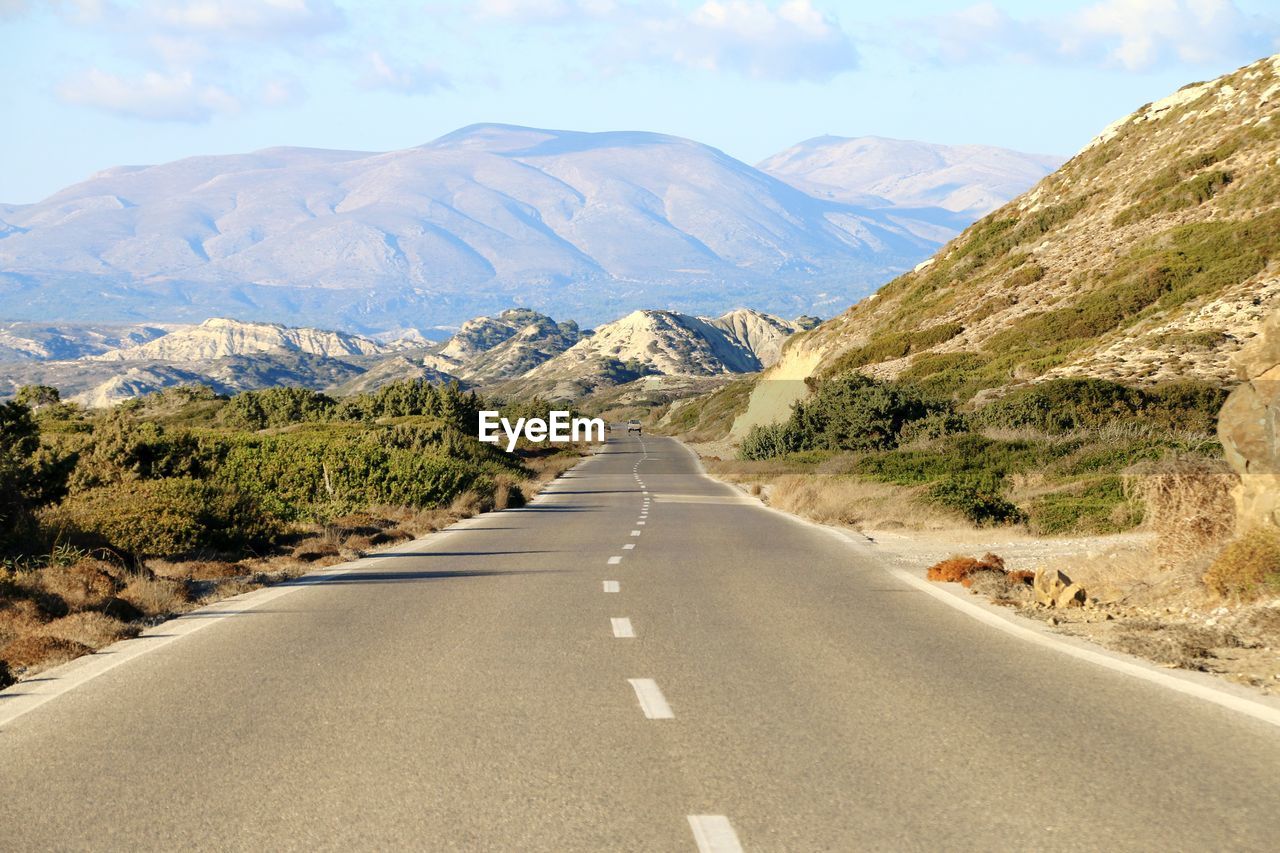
{"x":414,"y":79}
{"x":250,"y":19}
{"x":154,"y":96}
{"x":788,"y":41}
{"x":1136,"y":35}
{"x":281,"y":92}
{"x":544,"y":11}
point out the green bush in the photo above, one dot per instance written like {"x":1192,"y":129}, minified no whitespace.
{"x":276,"y":407}
{"x":977,"y":495}
{"x":766,"y":441}
{"x":173,"y":517}
{"x":1063,"y":405}
{"x":895,"y":345}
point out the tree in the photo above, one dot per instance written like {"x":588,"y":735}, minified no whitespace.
{"x":31,"y":476}
{"x":37,"y":396}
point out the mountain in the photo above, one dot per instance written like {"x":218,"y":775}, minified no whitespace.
{"x":488,"y":349}
{"x":662,"y":343}
{"x":221,"y":337}
{"x":45,"y":342}
{"x":1151,"y":256}
{"x":584,"y":224}
{"x":227,"y":355}
{"x":875,"y":171}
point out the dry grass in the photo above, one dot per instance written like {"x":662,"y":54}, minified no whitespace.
{"x":86,"y":584}
{"x":1188,"y":506}
{"x":157,"y":596}
{"x":41,"y":651}
{"x":858,"y":503}
{"x":1248,"y":566}
{"x":88,"y":628}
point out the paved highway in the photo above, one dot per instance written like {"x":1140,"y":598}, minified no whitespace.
{"x":640,"y":660}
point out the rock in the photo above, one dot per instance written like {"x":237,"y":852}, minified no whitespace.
{"x":1249,"y":428}
{"x":1048,"y":584}
{"x":1072,"y":596}
{"x":1053,"y":588}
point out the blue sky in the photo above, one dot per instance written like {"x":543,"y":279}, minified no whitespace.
{"x":96,"y":83}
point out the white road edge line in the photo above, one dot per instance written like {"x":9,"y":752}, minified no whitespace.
{"x":611,"y":586}
{"x":714,"y":834}
{"x":622,"y":628}
{"x":652,"y":702}
{"x":613,"y":561}
{"x":1202,"y":691}
{"x":1135,"y":668}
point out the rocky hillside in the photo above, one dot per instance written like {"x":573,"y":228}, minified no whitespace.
{"x":665,"y":343}
{"x":491,"y":349}
{"x":221,"y":338}
{"x":872,"y":170}
{"x":1153,"y":255}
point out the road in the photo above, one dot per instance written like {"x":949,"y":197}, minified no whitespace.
{"x":749,"y":680}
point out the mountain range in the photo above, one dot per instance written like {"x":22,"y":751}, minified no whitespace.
{"x":518,"y":352}
{"x":590,"y":225}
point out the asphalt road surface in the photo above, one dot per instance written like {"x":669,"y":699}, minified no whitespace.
{"x":640,"y":660}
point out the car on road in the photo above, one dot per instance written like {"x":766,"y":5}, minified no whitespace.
{"x":633,"y":425}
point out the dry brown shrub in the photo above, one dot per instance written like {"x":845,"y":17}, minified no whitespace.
{"x":316,"y":548}
{"x":88,"y":628}
{"x":1188,"y":505}
{"x":82,"y":585}
{"x":393,"y":536}
{"x":198,"y":570}
{"x":1248,"y":566}
{"x":1023,"y":577}
{"x":19,"y":617}
{"x":36,"y":650}
{"x":507,"y":494}
{"x":156,"y":596}
{"x":960,"y":568}
{"x":467,"y":504}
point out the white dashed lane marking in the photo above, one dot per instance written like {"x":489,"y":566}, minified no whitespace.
{"x":611,"y":586}
{"x":622,"y":628}
{"x":629,"y":547}
{"x":714,"y":834}
{"x":635,"y":533}
{"x":613,"y":561}
{"x":652,"y":702}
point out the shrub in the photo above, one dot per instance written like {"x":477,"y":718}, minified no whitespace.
{"x":1247,"y":566}
{"x":958,"y":569}
{"x":766,"y":441}
{"x":853,"y":412}
{"x":1064,"y":405}
{"x":1188,"y":504}
{"x":164,"y":518}
{"x":276,"y":407}
{"x":978,"y":497}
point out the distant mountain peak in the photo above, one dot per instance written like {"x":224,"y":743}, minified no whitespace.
{"x":971,"y":179}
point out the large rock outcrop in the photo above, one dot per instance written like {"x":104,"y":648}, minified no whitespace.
{"x":1249,"y":427}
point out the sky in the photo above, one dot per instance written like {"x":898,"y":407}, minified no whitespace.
{"x":96,"y":83}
